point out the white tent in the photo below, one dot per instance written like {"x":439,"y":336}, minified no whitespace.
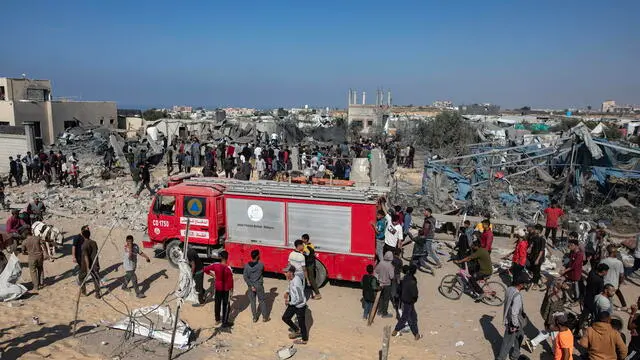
{"x":598,"y":130}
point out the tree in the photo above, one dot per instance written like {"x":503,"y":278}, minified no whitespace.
{"x":589,"y":107}
{"x":447,"y":131}
{"x":154,"y":114}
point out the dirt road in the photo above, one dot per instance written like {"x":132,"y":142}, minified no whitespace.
{"x":337,"y":330}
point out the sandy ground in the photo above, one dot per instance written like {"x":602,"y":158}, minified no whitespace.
{"x":337,"y":331}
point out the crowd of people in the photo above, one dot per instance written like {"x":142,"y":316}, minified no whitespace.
{"x":270,"y":160}
{"x":44,"y":167}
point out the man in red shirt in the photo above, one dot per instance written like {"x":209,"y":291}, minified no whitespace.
{"x":224,"y":288}
{"x":519,"y":255}
{"x":486,"y":239}
{"x":553,"y":214}
{"x":573,"y":271}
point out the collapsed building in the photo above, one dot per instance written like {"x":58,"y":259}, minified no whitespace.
{"x":594,"y":179}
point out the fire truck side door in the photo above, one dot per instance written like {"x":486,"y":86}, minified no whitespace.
{"x":163,"y":219}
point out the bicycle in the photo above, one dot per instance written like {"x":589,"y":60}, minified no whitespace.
{"x":453,"y":286}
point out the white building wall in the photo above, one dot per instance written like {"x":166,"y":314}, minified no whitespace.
{"x":11,"y":145}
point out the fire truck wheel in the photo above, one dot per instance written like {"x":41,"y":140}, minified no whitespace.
{"x":174,"y":252}
{"x":321,"y":274}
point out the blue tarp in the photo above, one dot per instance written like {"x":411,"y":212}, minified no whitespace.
{"x":507,"y":198}
{"x":540,"y":198}
{"x":600,"y":174}
{"x":464,"y":185}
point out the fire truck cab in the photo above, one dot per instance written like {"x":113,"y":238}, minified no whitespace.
{"x":240,"y":216}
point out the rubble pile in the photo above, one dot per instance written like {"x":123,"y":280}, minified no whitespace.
{"x":103,"y":195}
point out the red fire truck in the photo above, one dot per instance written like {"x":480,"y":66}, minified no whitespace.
{"x":240,"y":216}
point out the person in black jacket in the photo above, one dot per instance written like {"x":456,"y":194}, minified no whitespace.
{"x":595,"y":286}
{"x":408,"y":297}
{"x":145,"y":178}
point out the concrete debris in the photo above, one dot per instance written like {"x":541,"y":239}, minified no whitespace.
{"x":621,"y":202}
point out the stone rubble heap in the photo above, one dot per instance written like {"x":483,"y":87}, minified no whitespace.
{"x":102,"y":197}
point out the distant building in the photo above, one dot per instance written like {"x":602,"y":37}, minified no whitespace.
{"x":479,"y":109}
{"x":368,"y":116}
{"x":182,"y":109}
{"x":27,"y":100}
{"x":233,"y":112}
{"x":610,"y":106}
{"x":443,"y":104}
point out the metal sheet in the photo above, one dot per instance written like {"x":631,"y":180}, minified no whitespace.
{"x":255,"y":221}
{"x":329,"y":227}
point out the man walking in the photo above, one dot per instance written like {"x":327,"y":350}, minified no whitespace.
{"x":13,"y":172}
{"x":573,"y":271}
{"x":196,"y":271}
{"x":90,"y":264}
{"x":595,"y":286}
{"x":253,"y":276}
{"x":223,"y":286}
{"x":615,"y":275}
{"x":408,"y":298}
{"x":602,"y":302}
{"x":537,"y":246}
{"x":514,"y":321}
{"x":34,"y":247}
{"x":169,"y":155}
{"x":76,"y":246}
{"x":602,"y":341}
{"x":429,"y":231}
{"x":486,"y":239}
{"x":393,"y":234}
{"x":553,"y":215}
{"x":145,"y":178}
{"x":310,"y":265}
{"x":130,"y":262}
{"x":385,"y":273}
{"x":379,"y":228}
{"x":296,"y":305}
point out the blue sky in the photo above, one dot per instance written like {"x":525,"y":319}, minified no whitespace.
{"x":543,"y":53}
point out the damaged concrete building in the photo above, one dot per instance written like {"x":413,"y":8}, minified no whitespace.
{"x":28,"y":100}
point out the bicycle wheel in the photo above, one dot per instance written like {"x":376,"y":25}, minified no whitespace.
{"x":494,"y":293}
{"x":450,"y":287}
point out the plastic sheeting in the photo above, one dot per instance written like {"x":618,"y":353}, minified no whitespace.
{"x":600,"y":174}
{"x":583,"y":133}
{"x":155,"y":322}
{"x":9,"y":289}
{"x":463,"y":184}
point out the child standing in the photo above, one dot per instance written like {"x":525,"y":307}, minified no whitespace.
{"x":369,"y":287}
{"x":224,"y":288}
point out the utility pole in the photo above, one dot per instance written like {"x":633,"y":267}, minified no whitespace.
{"x":568,"y":179}
{"x":180,"y":301}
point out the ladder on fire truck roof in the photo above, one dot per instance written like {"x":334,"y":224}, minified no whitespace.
{"x":274,"y":188}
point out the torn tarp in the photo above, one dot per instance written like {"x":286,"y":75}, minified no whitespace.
{"x":10,"y":275}
{"x":507,"y":198}
{"x":600,"y":174}
{"x":155,"y":322}
{"x":543,"y":200}
{"x":583,"y":133}
{"x":463,"y":184}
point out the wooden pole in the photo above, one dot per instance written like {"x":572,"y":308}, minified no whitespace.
{"x":177,"y":317}
{"x":386,"y":337}
{"x":75,"y":321}
{"x":568,"y":179}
